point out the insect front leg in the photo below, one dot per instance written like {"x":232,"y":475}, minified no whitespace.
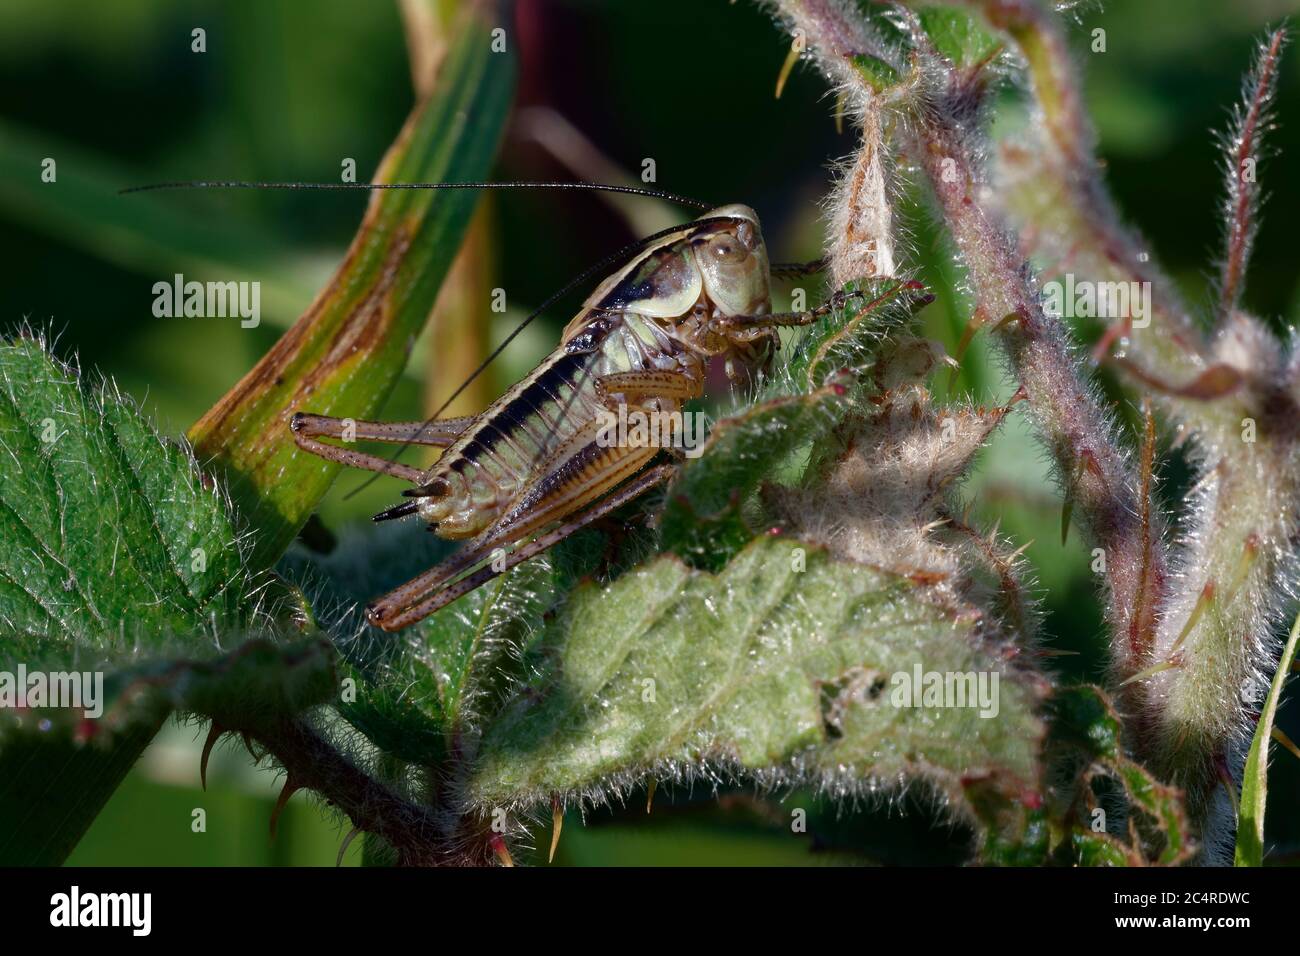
{"x":749,"y":328}
{"x":308,"y":428}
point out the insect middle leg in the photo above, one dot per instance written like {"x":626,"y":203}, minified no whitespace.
{"x":637,"y":386}
{"x":439,"y":434}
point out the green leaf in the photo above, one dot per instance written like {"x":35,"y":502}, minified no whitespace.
{"x":443,"y":675}
{"x":426,"y":690}
{"x":1099,"y":849}
{"x":879,"y":75}
{"x":851,"y":336}
{"x":345,"y":354}
{"x":103,"y":522}
{"x":763,"y":670}
{"x":958,"y":35}
{"x":1084,"y":746}
{"x":1254,"y":784}
{"x":117,"y":559}
{"x":1163,"y":805}
{"x":705,"y":520}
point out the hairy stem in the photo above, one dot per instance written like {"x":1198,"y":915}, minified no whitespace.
{"x":1243,"y":156}
{"x":312,"y":763}
{"x":1098,"y":475}
{"x":1054,"y":194}
{"x":1232,"y":399}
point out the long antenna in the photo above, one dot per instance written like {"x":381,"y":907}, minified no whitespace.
{"x":568,"y":287}
{"x":239,"y":184}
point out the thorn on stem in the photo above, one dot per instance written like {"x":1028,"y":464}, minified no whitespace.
{"x":248,"y":745}
{"x":1151,"y":671}
{"x":650,"y":795}
{"x":1008,"y":319}
{"x":347,"y":842}
{"x":290,"y":788}
{"x":976,"y":321}
{"x":1087,"y":460}
{"x":1249,"y":552}
{"x":557,"y":824}
{"x":796,"y":50}
{"x":214,"y":734}
{"x":1280,"y":736}
{"x":1202,"y":605}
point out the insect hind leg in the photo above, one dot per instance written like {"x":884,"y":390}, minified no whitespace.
{"x":392,"y":612}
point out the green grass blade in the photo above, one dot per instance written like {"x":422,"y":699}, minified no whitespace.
{"x":1254,"y":784}
{"x":345,"y":354}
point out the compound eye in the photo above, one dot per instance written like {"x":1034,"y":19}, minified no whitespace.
{"x":727,"y":248}
{"x":746,"y":233}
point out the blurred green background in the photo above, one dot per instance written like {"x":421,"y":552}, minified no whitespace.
{"x":286,"y":90}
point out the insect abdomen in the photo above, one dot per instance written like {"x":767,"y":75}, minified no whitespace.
{"x":483,"y":472}
{"x":490,"y":465}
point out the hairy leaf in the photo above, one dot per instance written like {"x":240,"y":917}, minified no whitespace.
{"x":784,"y":666}
{"x":103,"y":522}
{"x":1139,"y":821}
{"x":420,"y":688}
{"x":706,"y":520}
{"x":120,"y":562}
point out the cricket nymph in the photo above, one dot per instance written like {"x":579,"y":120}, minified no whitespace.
{"x":651,"y":317}
{"x":531,"y":469}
